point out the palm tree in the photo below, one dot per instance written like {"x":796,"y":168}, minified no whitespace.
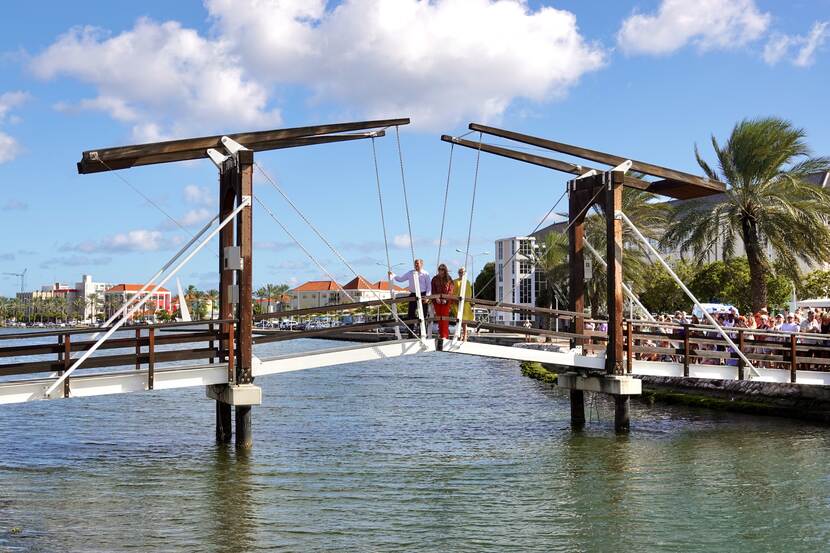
{"x":767,"y":204}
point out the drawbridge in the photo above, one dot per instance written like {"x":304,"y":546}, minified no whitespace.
{"x":594,"y":355}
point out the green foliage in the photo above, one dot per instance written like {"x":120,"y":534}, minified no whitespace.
{"x":717,"y":282}
{"x":815,"y":285}
{"x":163,"y":315}
{"x":659,"y":293}
{"x":485,"y":284}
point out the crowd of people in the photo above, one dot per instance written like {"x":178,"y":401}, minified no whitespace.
{"x":421,"y":285}
{"x":760,"y":327}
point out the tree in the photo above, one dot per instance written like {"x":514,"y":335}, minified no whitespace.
{"x":815,"y":285}
{"x":485,"y":284}
{"x":551,"y":259}
{"x":767,"y":203}
{"x":213,"y":296}
{"x":660,"y":293}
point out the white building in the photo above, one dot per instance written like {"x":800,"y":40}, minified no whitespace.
{"x":92,"y":294}
{"x":321,"y":293}
{"x":515,"y":276}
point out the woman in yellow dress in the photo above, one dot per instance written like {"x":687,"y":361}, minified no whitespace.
{"x":468,"y":308}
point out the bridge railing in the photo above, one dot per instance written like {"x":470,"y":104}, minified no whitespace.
{"x":139,"y":346}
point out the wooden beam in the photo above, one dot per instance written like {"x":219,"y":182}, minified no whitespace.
{"x":541,"y":161}
{"x":608,"y":159}
{"x":614,"y":260}
{"x":87,"y":165}
{"x":244,"y":238}
{"x":184,"y":149}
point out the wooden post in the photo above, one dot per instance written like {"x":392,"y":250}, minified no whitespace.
{"x":622,"y":413}
{"x":577,"y":409}
{"x":576,"y":285}
{"x":630,"y":336}
{"x":741,"y":364}
{"x":686,"y":349}
{"x":151,"y":357}
{"x":793,"y":358}
{"x":244,"y":238}
{"x":67,"y":362}
{"x":227,"y":198}
{"x":211,"y":343}
{"x":614,"y":253}
{"x":137,"y":349}
{"x":576,"y":258}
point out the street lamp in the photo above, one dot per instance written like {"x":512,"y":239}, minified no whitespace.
{"x":391,"y":266}
{"x":472,"y":261}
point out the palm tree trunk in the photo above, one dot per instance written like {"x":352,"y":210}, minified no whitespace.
{"x":757,"y":265}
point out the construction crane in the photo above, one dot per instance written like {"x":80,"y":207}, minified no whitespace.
{"x":22,"y":277}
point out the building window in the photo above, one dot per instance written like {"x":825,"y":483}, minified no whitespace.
{"x":524,"y":290}
{"x":501,"y":272}
{"x":500,"y":248}
{"x":525,"y":267}
{"x":525,"y":247}
{"x":501,"y":294}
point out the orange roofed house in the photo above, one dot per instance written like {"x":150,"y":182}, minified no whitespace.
{"x":320,"y":293}
{"x":117,"y":295}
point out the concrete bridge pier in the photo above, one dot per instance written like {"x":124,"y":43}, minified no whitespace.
{"x":622,"y":387}
{"x":241,"y":397}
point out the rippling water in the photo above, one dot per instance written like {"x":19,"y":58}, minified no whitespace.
{"x":428,"y":453}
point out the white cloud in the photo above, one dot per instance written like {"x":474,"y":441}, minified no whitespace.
{"x":401,"y":241}
{"x":440,"y":62}
{"x":708,"y":24}
{"x":139,"y":240}
{"x":199,"y":195}
{"x":195,"y":217}
{"x":781,"y":46}
{"x":161,"y":78}
{"x":15,"y":205}
{"x":9,"y":147}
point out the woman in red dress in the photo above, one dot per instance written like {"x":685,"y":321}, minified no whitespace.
{"x":442,"y":284}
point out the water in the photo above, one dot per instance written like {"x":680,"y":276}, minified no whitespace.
{"x":427,"y":453}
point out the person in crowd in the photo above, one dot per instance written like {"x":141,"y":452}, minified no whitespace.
{"x":810,"y":325}
{"x":417,"y":281}
{"x":789,"y":325}
{"x":825,"y":322}
{"x":468,"y":296}
{"x":442,"y":284}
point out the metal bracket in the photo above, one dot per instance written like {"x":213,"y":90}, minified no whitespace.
{"x":586,"y":174}
{"x":217,"y":157}
{"x":623,"y":167}
{"x":618,"y":215}
{"x":93,"y":156}
{"x":232,"y":146}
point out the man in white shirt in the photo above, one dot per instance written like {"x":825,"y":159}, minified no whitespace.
{"x":810,"y":324}
{"x":417,"y":280}
{"x":789,"y":326}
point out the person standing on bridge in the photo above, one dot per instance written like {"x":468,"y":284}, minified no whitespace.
{"x":468,"y":296}
{"x":418,"y":280}
{"x":442,"y":284}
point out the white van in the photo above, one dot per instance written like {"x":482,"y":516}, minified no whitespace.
{"x":712,"y":308}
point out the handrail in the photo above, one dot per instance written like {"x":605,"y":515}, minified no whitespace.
{"x":93,"y":330}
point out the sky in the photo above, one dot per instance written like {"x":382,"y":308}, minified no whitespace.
{"x":642,"y":79}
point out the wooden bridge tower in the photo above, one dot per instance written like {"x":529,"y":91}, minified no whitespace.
{"x":234,"y":157}
{"x":603,"y":187}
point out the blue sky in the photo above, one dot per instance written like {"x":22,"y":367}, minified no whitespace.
{"x":645,"y":79}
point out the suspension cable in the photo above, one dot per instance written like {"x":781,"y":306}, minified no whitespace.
{"x":444,"y":215}
{"x":463,"y":284}
{"x":324,"y":239}
{"x":297,"y":242}
{"x":419,"y":303}
{"x":385,"y":238}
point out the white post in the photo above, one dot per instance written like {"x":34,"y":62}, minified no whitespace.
{"x":246,"y":201}
{"x":688,"y":292}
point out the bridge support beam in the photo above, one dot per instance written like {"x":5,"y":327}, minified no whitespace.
{"x":224,"y":430}
{"x":622,"y":387}
{"x":577,"y":409}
